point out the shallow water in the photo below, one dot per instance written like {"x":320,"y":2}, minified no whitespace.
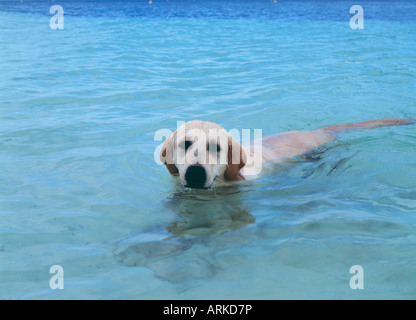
{"x":79,"y":186}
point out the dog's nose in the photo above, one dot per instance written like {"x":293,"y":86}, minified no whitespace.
{"x":195,"y":177}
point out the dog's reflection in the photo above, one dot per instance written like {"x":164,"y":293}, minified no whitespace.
{"x":208,"y":212}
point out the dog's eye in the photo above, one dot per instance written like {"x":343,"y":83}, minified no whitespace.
{"x":214,"y":147}
{"x":187,"y":144}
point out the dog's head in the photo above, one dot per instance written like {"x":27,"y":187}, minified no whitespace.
{"x":202,"y":152}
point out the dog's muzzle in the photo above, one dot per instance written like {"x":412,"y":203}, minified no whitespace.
{"x":195,"y":177}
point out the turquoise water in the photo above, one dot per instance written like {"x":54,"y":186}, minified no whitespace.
{"x":79,"y":186}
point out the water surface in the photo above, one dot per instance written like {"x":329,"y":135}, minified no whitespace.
{"x":79,"y":186}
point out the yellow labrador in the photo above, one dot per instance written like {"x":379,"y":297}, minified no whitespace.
{"x":202,"y":153}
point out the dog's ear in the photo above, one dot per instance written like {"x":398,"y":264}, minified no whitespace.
{"x":236,"y":160}
{"x":166,"y":154}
